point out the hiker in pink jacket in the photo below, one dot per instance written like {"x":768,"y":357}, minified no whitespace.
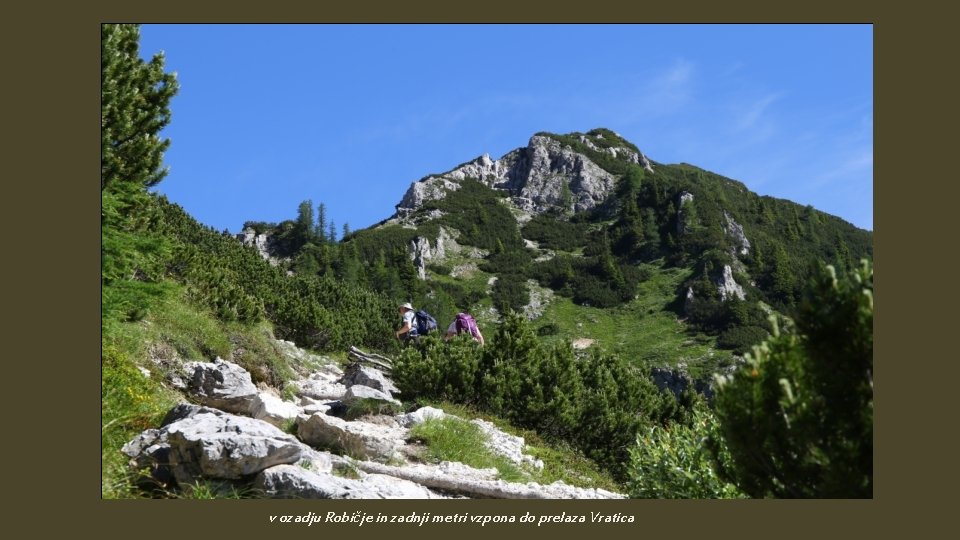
{"x":462,"y":323}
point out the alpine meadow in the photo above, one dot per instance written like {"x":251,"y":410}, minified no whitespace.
{"x":651,"y":330}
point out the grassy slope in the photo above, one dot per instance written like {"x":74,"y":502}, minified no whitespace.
{"x":174,"y":330}
{"x":561,"y":462}
{"x":643,"y":330}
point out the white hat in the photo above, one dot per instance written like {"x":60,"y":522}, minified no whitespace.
{"x":408,"y":305}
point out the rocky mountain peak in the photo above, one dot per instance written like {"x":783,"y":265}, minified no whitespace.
{"x":551,"y":172}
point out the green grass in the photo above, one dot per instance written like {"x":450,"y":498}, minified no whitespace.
{"x":209,"y":490}
{"x":454,"y":439}
{"x":561,"y":461}
{"x":347,"y":470}
{"x":366,"y":407}
{"x":129,"y":403}
{"x":173,"y":329}
{"x":567,"y":464}
{"x":643,"y":330}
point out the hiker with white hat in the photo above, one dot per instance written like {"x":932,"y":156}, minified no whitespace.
{"x":409,"y":328}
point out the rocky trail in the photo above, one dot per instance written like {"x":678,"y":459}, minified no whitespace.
{"x":323,"y":444}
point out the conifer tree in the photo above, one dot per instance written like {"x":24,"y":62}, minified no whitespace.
{"x":322,"y":222}
{"x":305,"y":232}
{"x":134,"y":107}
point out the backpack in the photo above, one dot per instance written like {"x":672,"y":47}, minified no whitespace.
{"x":425,"y":323}
{"x":465,"y":323}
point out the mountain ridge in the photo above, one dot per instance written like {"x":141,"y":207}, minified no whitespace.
{"x":587,"y":218}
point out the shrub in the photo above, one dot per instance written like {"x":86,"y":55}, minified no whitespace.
{"x":440,"y":269}
{"x":675,"y":462}
{"x":596,"y":404}
{"x":798,"y":416}
{"x":440,"y":370}
{"x":549,"y":329}
{"x":740,"y":339}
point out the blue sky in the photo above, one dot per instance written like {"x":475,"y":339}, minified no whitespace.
{"x":350,"y":115}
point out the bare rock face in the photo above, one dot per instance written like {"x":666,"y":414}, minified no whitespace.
{"x":540,"y":297}
{"x":549,"y":173}
{"x":422,"y":254}
{"x":683,"y":216}
{"x":615,"y":151}
{"x":735,"y":230}
{"x":541,"y":176}
{"x":261,"y":242}
{"x":483,"y":168}
{"x":727,"y":287}
{"x":429,"y":189}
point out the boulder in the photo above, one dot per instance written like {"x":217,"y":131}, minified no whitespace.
{"x":390,"y":487}
{"x":357,"y":374}
{"x":323,"y":462}
{"x":457,"y":478}
{"x":356,"y":439}
{"x":419,"y":416}
{"x":291,"y":482}
{"x":186,"y":410}
{"x":221,"y":384}
{"x":319,"y":388}
{"x":274,"y":410}
{"x":311,"y":406}
{"x":149,"y":452}
{"x":358,"y":393}
{"x":226,"y":446}
{"x":506,"y":445}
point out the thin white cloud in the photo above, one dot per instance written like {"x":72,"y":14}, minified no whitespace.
{"x":670,"y":89}
{"x":646,"y":94}
{"x":733,"y":68}
{"x":852,"y":166}
{"x":754,"y":114}
{"x":442,"y":118}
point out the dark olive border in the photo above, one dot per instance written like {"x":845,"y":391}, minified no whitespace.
{"x":52,"y":54}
